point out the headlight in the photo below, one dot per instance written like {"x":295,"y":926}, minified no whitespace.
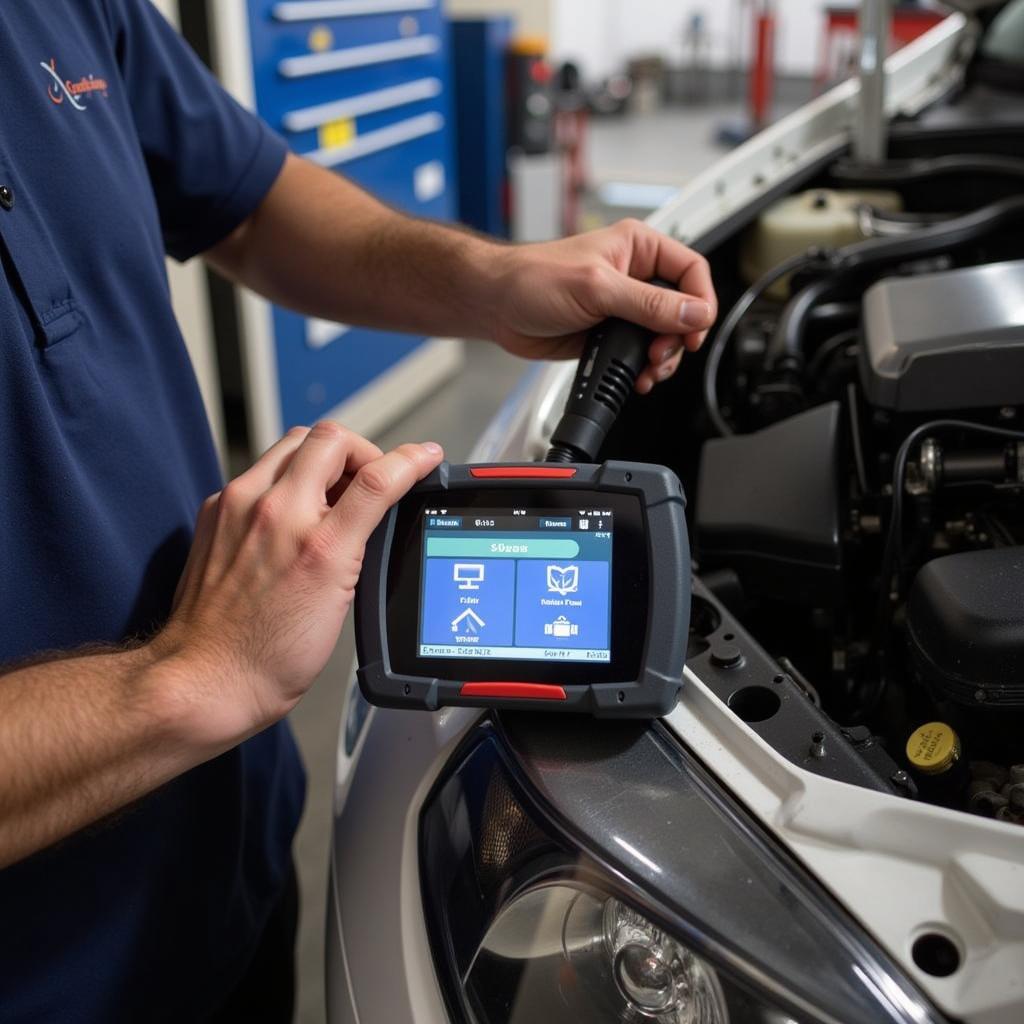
{"x":572,"y":954}
{"x":592,"y":873}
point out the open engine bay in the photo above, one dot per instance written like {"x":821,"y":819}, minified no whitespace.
{"x":852,"y":442}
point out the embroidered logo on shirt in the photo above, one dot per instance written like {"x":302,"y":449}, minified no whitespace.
{"x":76,"y":93}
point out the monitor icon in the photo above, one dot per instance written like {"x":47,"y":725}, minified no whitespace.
{"x":468,"y":575}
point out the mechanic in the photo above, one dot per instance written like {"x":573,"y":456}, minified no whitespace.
{"x":149,"y":790}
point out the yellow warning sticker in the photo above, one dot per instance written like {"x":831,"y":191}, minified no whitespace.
{"x":333,"y":134}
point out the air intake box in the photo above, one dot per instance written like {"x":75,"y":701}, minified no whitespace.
{"x":951,"y":340}
{"x":768,"y":507}
{"x":966,"y":626}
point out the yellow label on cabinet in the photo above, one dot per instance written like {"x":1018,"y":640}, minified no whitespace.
{"x":336,"y":133}
{"x":320,"y":39}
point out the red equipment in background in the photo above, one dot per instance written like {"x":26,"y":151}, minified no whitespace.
{"x":840,"y":33}
{"x":762,"y":68}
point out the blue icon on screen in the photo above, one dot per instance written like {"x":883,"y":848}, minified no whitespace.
{"x":468,"y":603}
{"x":563,"y":579}
{"x":468,"y":575}
{"x":562,"y":605}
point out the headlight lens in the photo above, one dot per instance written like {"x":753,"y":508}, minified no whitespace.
{"x":570,"y":954}
{"x":596,"y":877}
{"x":657,"y":976}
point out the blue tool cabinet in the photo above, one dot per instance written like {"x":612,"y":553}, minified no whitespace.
{"x":361,"y":87}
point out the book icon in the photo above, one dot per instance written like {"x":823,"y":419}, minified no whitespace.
{"x":563,"y":579}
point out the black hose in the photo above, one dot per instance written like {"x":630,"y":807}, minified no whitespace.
{"x":900,"y":172}
{"x":908,"y":218}
{"x":828,"y":348}
{"x":718,"y":344}
{"x":935,"y":238}
{"x":861,"y":259}
{"x":785,"y":349}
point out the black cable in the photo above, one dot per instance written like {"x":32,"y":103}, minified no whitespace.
{"x":856,"y":439}
{"x":907,"y":218}
{"x":835,"y":311}
{"x":900,"y":172}
{"x":828,"y":348}
{"x":932,"y":239}
{"x":889,"y":582}
{"x":614,"y":354}
{"x":717,"y":347}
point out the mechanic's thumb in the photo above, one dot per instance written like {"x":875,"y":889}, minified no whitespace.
{"x":662,"y":310}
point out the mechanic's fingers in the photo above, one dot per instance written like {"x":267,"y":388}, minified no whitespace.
{"x":653,"y":254}
{"x":696,"y":279}
{"x":645,"y":382}
{"x":653,"y":375}
{"x":692,"y":342}
{"x":202,"y":539}
{"x":668,"y":367}
{"x":325,"y":455}
{"x":375,"y":488}
{"x":664,"y":354}
{"x":658,"y":309}
{"x":267,"y":469}
{"x":664,"y":347}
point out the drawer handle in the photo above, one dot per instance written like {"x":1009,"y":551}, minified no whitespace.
{"x":382,"y":138}
{"x":359,"y":56}
{"x":365,"y":103}
{"x":313,"y":10}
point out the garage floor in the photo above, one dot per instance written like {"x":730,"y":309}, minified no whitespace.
{"x":668,"y":147}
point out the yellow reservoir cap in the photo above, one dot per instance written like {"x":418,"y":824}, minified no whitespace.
{"x":933,"y":748}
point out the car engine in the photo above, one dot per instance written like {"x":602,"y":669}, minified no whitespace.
{"x":855,"y":467}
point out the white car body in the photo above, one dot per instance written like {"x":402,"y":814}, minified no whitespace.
{"x":900,"y":867}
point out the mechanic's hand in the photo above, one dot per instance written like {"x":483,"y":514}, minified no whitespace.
{"x":554,"y":291}
{"x":272,"y":572}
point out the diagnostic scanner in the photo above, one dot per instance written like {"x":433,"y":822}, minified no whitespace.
{"x":562,"y":585}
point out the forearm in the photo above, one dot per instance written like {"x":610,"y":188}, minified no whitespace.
{"x":321,"y":245}
{"x":81,"y":737}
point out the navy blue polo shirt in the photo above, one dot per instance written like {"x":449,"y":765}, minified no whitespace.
{"x":116,"y":145}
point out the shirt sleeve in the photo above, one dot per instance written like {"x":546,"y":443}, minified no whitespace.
{"x":210,"y":160}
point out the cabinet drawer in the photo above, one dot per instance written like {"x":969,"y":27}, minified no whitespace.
{"x":320,"y":10}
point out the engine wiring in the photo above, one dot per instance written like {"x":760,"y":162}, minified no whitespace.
{"x":853,"y":262}
{"x":854,"y":472}
{"x":889,"y":588}
{"x":857,"y":263}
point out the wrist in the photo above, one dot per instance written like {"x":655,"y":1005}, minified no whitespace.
{"x":189,"y":699}
{"x":486,"y":267}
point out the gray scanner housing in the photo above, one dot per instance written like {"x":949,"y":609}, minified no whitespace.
{"x":948,"y":340}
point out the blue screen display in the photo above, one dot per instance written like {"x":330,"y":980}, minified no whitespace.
{"x":516,"y":584}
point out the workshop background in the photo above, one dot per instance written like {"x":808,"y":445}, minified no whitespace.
{"x":528,"y":119}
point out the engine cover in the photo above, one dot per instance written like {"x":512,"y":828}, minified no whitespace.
{"x":949,"y":340}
